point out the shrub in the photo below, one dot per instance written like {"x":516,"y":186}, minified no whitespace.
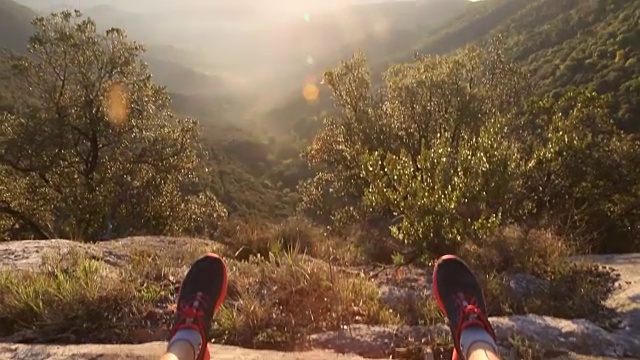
{"x":572,"y":290}
{"x":295,"y":234}
{"x":375,"y":245}
{"x":276,"y":302}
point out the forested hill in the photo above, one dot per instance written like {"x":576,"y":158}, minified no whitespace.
{"x":563,"y":43}
{"x":15,"y":25}
{"x":583,"y":43}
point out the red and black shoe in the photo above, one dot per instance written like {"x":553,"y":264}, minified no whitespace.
{"x":460,"y":298}
{"x":200,"y":296}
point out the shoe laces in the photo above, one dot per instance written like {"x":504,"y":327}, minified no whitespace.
{"x":471,"y":315}
{"x":193,"y":309}
{"x":190,"y":314}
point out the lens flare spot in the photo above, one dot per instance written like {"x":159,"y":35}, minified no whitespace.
{"x":118,"y":104}
{"x":309,"y":60}
{"x":310,"y":92}
{"x":306,"y":17}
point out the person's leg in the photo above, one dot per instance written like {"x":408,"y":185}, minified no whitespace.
{"x":460,"y":298}
{"x":180,"y":350}
{"x":201,"y":294}
{"x":482,"y":351}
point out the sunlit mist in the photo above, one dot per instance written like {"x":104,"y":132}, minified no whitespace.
{"x":256,"y":49}
{"x":118,"y":104}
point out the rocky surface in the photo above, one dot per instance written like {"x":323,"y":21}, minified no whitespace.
{"x":578,"y":336}
{"x":626,"y":300}
{"x":569,"y":337}
{"x":151,"y":351}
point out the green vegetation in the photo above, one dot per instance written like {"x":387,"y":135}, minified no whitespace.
{"x":515,"y":152}
{"x":459,"y":146}
{"x":562,"y":44}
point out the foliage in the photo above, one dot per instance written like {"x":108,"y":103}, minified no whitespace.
{"x":111,"y":157}
{"x":456,"y":146}
{"x":545,"y":256}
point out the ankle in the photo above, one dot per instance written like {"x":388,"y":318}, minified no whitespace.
{"x":188,"y":336}
{"x":476,"y":336}
{"x":179,"y":350}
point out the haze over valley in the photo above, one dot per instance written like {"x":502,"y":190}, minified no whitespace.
{"x":261,"y":54}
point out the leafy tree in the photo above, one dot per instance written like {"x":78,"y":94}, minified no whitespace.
{"x":459,"y":145}
{"x":91,"y":147}
{"x":416,"y":140}
{"x":458,"y":164}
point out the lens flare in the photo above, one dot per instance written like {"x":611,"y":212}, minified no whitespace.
{"x":117,"y":104}
{"x":310,"y":92}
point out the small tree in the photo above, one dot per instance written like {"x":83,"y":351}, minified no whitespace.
{"x":91,"y":147}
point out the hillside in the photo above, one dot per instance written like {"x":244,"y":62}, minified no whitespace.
{"x":171,"y":66}
{"x":185,"y":80}
{"x":594,"y":43}
{"x":14,"y":24}
{"x":393,"y":47}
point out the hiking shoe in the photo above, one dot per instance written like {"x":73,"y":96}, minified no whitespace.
{"x":201,"y":294}
{"x":460,"y":298}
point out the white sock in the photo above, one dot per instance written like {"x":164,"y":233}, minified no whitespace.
{"x":191,"y":336}
{"x":472,"y":335}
